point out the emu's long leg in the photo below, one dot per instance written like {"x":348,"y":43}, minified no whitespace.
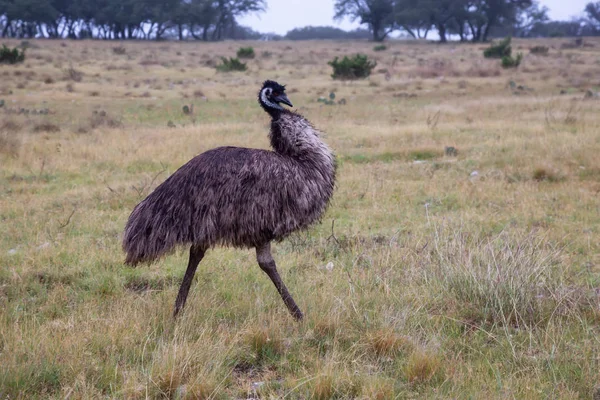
{"x":196,"y":255}
{"x":267,"y":264}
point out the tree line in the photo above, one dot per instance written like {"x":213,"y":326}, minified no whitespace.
{"x":126,"y":19}
{"x":474,"y":20}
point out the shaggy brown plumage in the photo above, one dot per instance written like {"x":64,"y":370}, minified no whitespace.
{"x":238,"y":197}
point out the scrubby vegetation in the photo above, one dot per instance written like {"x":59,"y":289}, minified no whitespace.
{"x":245,"y":52}
{"x":349,"y":68}
{"x":458,"y":258}
{"x":512,"y":62}
{"x":503,"y":51}
{"x":11,"y":56}
{"x":231,"y":64}
{"x":499,"y":50}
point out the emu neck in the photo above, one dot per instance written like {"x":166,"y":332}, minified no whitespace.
{"x":273,"y":112}
{"x":293,"y":136}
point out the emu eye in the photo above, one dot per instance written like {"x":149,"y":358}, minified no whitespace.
{"x":275,"y":94}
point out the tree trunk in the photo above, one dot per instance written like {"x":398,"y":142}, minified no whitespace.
{"x":461,"y":30}
{"x":490,"y":23}
{"x":411,"y":32}
{"x":486,"y":32}
{"x":376,"y":28}
{"x":442,"y":32}
{"x":6,"y":27}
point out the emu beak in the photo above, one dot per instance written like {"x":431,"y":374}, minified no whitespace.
{"x":282,"y":98}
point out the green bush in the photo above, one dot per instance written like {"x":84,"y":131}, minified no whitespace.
{"x":356,"y":67}
{"x":11,"y":56}
{"x":512,"y":62}
{"x":230,"y":64}
{"x":539,"y":50}
{"x":499,"y":50}
{"x":380,"y":47}
{"x":245,"y":52}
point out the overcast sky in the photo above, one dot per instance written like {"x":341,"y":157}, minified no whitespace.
{"x":284,"y":15}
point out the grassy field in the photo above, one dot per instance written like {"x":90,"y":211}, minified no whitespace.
{"x":474,"y":275}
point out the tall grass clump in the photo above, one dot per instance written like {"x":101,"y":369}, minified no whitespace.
{"x":246,"y":52}
{"x":504,"y":280}
{"x":357,"y":67}
{"x":11,"y":56}
{"x":231,"y":64}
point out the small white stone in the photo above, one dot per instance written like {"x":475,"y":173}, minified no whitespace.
{"x":329,"y":266}
{"x":474,"y":173}
{"x":12,"y":251}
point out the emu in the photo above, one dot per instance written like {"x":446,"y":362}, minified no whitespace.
{"x":240,"y":197}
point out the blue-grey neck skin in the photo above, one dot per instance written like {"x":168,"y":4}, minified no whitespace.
{"x":240,"y":197}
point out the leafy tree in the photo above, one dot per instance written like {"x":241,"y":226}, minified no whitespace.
{"x":378,"y":15}
{"x":126,"y":19}
{"x":412,"y":17}
{"x":593,"y":12}
{"x":529,"y":17}
{"x":498,"y":12}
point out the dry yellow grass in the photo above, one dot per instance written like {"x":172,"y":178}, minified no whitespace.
{"x":475,"y":275}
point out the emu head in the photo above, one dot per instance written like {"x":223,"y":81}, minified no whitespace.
{"x":271,"y":95}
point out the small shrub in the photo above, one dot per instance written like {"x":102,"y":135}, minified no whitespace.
{"x":499,"y":50}
{"x":349,"y":68}
{"x":231,"y":64}
{"x":512,"y":62}
{"x":380,"y":47}
{"x":11,"y":56}
{"x":539,"y":50}
{"x":187,"y":110}
{"x":246,"y":52}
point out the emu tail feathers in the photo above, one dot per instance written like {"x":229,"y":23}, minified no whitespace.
{"x":153,"y":230}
